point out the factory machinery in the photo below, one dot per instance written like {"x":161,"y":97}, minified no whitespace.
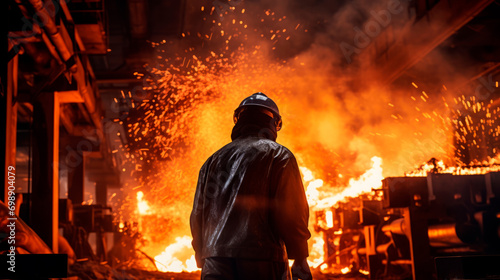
{"x":442,"y":226}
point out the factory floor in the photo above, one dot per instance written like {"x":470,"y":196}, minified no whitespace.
{"x":93,"y":270}
{"x":132,"y":274}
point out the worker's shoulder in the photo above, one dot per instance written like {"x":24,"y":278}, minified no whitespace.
{"x":277,"y":146}
{"x":256,"y":147}
{"x":262,"y":145}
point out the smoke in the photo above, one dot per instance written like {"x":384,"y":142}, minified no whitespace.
{"x":325,"y":101}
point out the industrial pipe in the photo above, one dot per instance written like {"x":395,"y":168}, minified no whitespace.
{"x":397,"y":227}
{"x":451,"y":235}
{"x":50,"y":27}
{"x":383,"y":248}
{"x":65,"y":52}
{"x":361,"y":251}
{"x":138,"y":11}
{"x":88,"y":98}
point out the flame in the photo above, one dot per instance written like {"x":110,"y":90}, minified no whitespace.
{"x":329,"y":219}
{"x":345,"y":270}
{"x":312,"y":185}
{"x":322,"y":198}
{"x":317,"y":253}
{"x":142,"y":205}
{"x":364,"y":272}
{"x":174,"y":258}
{"x":307,"y":174}
{"x":371,"y":179}
{"x":490,"y":165}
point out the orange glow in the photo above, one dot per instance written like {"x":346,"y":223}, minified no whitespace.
{"x":177,"y":257}
{"x":307,"y":174}
{"x":142,"y":205}
{"x":311,"y":185}
{"x":317,"y":254}
{"x":121,"y":226}
{"x":329,"y":219}
{"x":364,"y":272}
{"x":322,"y":198}
{"x":491,"y":165}
{"x":371,"y":179}
{"x":345,"y":270}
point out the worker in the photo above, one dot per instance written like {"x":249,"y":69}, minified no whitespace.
{"x":250,"y":212}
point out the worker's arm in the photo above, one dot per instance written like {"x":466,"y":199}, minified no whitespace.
{"x":197,"y":216}
{"x":291,"y":211}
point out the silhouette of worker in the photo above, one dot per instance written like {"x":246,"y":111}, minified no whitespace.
{"x":250,"y":212}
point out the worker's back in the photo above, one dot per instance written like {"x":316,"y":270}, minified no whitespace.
{"x":236,"y":199}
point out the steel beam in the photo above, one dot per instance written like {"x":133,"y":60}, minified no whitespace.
{"x":75,"y":150}
{"x":10,"y":120}
{"x":76,"y":175}
{"x":45,"y":186}
{"x":4,"y":48}
{"x":88,"y":94}
{"x":52,"y":30}
{"x":101,"y":193}
{"x":69,"y":96}
{"x":416,"y":224}
{"x":61,"y":47}
{"x":138,"y":17}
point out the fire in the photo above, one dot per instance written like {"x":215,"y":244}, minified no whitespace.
{"x":317,"y":252}
{"x":142,"y":205}
{"x":371,"y":179}
{"x":313,"y":184}
{"x":307,"y":174}
{"x":345,"y":270}
{"x":435,"y":166}
{"x":121,"y":226}
{"x":329,"y":219}
{"x":321,"y":199}
{"x":364,"y":272}
{"x":177,"y":257}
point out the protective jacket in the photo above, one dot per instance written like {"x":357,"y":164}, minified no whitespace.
{"x":250,"y":203}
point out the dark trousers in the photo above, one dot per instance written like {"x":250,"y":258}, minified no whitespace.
{"x":217,"y":268}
